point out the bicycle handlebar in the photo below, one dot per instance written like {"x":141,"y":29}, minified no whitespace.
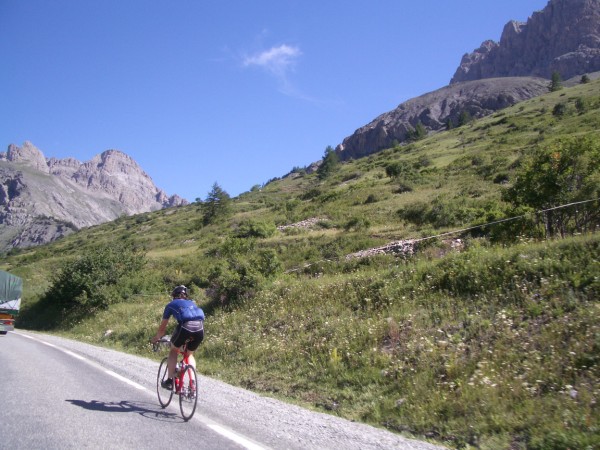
{"x":162,"y":342}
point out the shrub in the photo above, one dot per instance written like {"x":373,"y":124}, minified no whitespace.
{"x":501,"y":178}
{"x":398,"y":169}
{"x":581,"y":105}
{"x":423,"y":161}
{"x":311,"y":193}
{"x":97,"y":278}
{"x":240,"y":270}
{"x":351,"y":176}
{"x":357,"y":223}
{"x":402,"y":188}
{"x":556,"y":82}
{"x":250,"y":229}
{"x":372,"y":198}
{"x":559,"y":110}
{"x":414,"y":213}
{"x":564,"y":173}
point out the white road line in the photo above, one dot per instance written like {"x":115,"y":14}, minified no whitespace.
{"x":74,"y":355}
{"x":235,"y":437}
{"x":126,"y":380}
{"x":231,"y":435}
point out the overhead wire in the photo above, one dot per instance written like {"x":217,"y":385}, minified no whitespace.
{"x":463,"y":230}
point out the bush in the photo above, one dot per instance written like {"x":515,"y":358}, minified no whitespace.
{"x":423,"y":161}
{"x":414,"y":213}
{"x":559,"y":110}
{"x":250,"y":229}
{"x":96,"y":279}
{"x":402,"y":188}
{"x":443,"y":212}
{"x":581,"y":105}
{"x":372,"y":198}
{"x":312,"y":193}
{"x":357,"y":224}
{"x":240,"y":270}
{"x":398,"y":169}
{"x":564,"y":173}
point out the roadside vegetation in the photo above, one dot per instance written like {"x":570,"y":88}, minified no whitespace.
{"x":487,"y":335}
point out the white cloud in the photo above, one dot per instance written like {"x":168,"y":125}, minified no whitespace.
{"x":277,"y":60}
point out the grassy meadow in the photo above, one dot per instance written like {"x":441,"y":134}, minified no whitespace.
{"x":488,"y":336}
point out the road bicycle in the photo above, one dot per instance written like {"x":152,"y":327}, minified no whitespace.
{"x":185,"y":381}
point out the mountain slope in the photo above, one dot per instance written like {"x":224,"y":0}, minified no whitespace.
{"x":436,"y":109}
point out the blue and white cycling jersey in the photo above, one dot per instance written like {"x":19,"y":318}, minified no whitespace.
{"x":183,"y":310}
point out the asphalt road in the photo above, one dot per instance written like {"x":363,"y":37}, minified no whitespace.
{"x":60,"y":394}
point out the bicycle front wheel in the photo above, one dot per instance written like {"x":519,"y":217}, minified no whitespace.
{"x":188,"y":397}
{"x":164,"y":395}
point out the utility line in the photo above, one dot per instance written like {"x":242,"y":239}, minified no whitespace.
{"x":507,"y":220}
{"x":463,"y":229}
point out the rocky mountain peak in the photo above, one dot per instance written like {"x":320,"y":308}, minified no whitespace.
{"x":42,"y":199}
{"x":564,"y":37}
{"x":64,"y":168}
{"x":118,"y":175}
{"x":115,"y":160}
{"x":28,"y":154}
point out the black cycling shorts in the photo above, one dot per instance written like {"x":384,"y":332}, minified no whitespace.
{"x":193,"y":330}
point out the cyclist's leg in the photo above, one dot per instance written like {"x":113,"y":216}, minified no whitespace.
{"x":177,"y":340}
{"x":197,"y":336}
{"x":172,"y":361}
{"x":191,"y":359}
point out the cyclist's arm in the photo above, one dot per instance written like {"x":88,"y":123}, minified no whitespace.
{"x":162,"y":330}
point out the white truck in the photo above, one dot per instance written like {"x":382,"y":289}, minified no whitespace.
{"x":11,"y":288}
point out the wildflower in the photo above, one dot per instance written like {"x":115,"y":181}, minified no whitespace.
{"x":573,"y":393}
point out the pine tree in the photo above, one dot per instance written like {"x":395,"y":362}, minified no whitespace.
{"x":464,"y":118}
{"x":556,"y":83}
{"x":330,"y":162}
{"x":216,"y":204}
{"x":420,"y":132}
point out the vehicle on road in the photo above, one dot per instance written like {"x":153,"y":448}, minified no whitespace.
{"x":185,"y":381}
{"x":11,"y":288}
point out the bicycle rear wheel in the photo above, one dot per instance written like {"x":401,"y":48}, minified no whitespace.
{"x":188,"y":397}
{"x":164,"y":395}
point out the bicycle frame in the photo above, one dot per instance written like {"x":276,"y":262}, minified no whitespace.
{"x":185,"y":381}
{"x":179,"y":365}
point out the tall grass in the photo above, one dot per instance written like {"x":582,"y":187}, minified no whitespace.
{"x":469,"y":349}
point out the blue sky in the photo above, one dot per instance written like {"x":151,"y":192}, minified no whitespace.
{"x":234,"y":92}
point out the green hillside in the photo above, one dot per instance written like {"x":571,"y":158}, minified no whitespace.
{"x":487,"y":336}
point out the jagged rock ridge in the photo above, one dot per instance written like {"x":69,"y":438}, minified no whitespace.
{"x":564,"y":37}
{"x":43,"y":199}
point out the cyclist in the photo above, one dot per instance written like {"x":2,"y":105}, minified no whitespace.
{"x":190,"y":325}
